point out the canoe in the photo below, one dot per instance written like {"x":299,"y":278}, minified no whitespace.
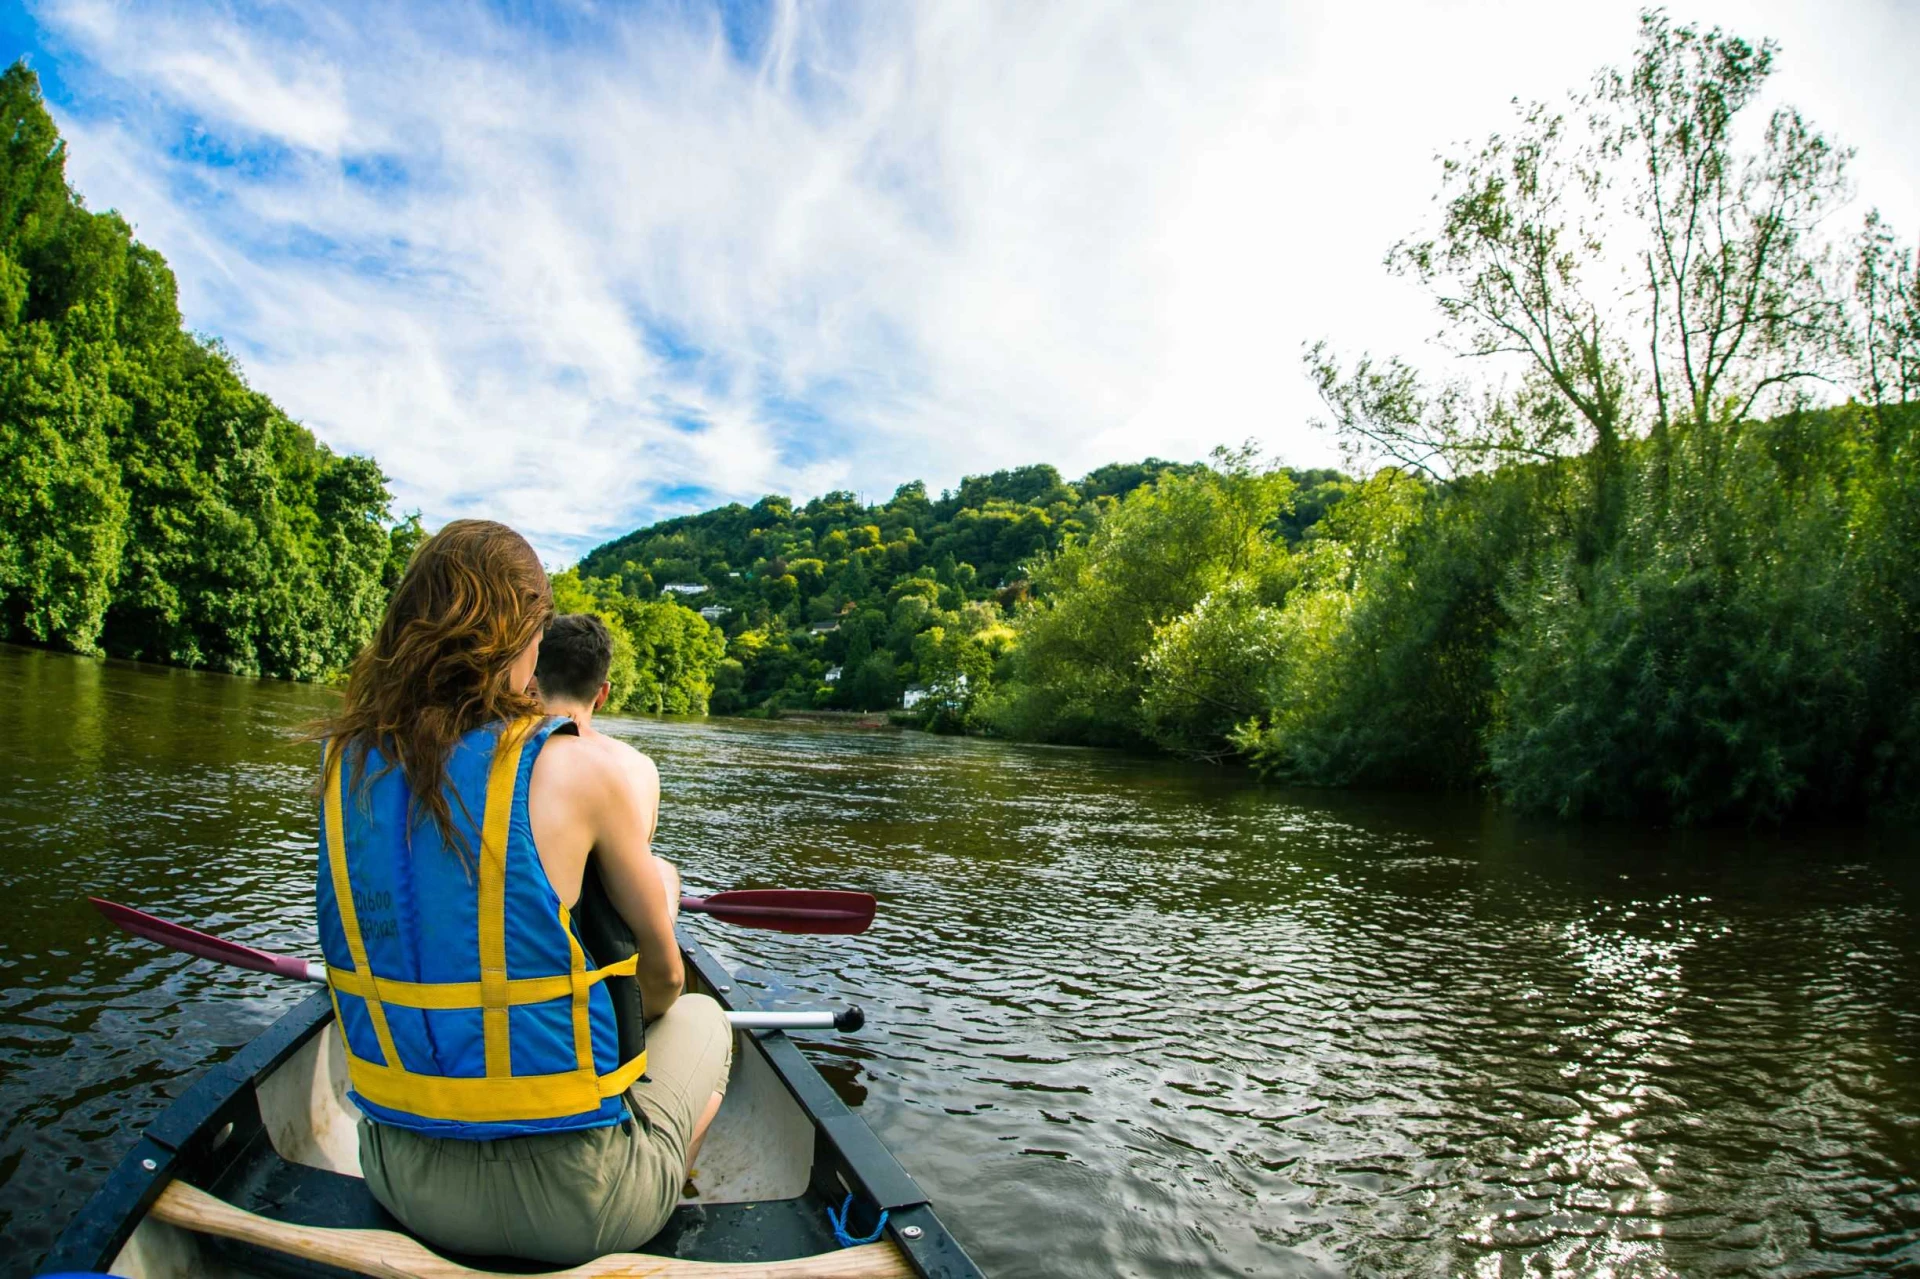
{"x":255,"y":1171}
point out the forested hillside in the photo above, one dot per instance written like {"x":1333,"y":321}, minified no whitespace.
{"x":837,"y":603}
{"x":151,"y":504}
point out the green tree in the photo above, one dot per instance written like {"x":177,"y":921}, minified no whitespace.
{"x":1206,"y":669}
{"x":1384,"y":670}
{"x":872,"y":684}
{"x":1887,"y":295}
{"x":957,"y":660}
{"x":665,"y":657}
{"x":151,"y":505}
{"x":1641,"y":193}
{"x":1618,"y":591}
{"x":1749,"y":650}
{"x":1159,"y":553}
{"x":62,"y":507}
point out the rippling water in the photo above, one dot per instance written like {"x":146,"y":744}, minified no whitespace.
{"x":1129,"y":1017}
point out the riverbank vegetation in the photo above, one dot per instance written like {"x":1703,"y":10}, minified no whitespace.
{"x":1658,"y":559}
{"x":1631,"y":570}
{"x":151,"y":504}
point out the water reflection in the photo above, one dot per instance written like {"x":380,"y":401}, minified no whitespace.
{"x":1127,"y":1017}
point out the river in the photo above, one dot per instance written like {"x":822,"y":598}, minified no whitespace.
{"x":1129,"y":1017}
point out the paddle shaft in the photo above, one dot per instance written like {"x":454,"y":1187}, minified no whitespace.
{"x":237,"y":955}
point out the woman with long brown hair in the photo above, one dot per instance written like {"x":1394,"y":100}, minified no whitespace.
{"x":482,"y":1046}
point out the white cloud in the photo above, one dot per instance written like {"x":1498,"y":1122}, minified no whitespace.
{"x":904,"y":241}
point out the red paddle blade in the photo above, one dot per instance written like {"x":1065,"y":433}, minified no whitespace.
{"x":205,"y":945}
{"x":789,"y":910}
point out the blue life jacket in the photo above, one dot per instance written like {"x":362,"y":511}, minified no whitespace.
{"x":463,"y":992}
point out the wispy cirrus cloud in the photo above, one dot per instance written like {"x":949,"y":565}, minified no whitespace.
{"x":580,"y":266}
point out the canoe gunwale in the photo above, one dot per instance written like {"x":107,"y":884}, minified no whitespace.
{"x":181,"y":1140}
{"x":871,"y":1167}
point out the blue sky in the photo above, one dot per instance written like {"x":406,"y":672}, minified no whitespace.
{"x":581,"y":266}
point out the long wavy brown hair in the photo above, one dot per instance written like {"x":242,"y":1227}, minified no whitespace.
{"x":473,"y":597}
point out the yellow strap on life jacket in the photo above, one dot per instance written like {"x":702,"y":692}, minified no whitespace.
{"x":349,"y":914}
{"x":521,"y":1097}
{"x":493,"y":897}
{"x":442,"y":995}
{"x":501,"y":1096}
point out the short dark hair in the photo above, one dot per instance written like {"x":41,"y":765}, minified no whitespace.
{"x":574,"y":657}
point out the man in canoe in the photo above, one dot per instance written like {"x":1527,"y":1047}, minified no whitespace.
{"x":456,"y":825}
{"x":576,"y":656}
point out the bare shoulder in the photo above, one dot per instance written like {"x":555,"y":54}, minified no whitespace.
{"x":633,"y":764}
{"x":573,"y":764}
{"x":594,"y":759}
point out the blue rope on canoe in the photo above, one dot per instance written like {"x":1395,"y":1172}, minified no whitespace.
{"x":839,"y":1220}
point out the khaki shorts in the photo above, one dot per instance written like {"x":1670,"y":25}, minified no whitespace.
{"x":564,"y":1197}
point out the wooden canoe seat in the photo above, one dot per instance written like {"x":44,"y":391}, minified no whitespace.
{"x":390,"y":1255}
